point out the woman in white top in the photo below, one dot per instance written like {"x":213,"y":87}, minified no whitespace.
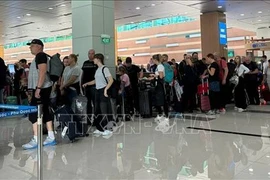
{"x":70,"y":86}
{"x":240,"y":95}
{"x":160,"y":89}
{"x":103,"y":81}
{"x":266,"y":76}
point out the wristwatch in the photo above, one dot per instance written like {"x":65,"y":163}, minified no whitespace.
{"x":38,"y":87}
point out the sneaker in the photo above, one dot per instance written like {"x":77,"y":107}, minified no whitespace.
{"x":97,"y":132}
{"x":210,"y":113}
{"x":158,"y":119}
{"x":107,"y":133}
{"x":31,"y":145}
{"x":241,"y":110}
{"x":236,"y":108}
{"x":217,"y":111}
{"x":49,"y":142}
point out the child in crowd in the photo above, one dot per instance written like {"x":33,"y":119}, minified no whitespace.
{"x":126,"y":90}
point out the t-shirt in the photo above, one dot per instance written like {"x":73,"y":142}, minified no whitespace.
{"x":252,"y":66}
{"x":99,"y":77}
{"x":215,"y":76}
{"x":200,"y":67}
{"x":124,"y":78}
{"x":242,"y":70}
{"x":132,"y":72}
{"x":41,"y":58}
{"x":160,"y":68}
{"x":71,"y":71}
{"x":221,"y":64}
{"x":89,"y":70}
{"x":268,"y":76}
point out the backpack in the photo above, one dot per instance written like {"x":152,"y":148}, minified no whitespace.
{"x":169,"y":73}
{"x":55,"y":67}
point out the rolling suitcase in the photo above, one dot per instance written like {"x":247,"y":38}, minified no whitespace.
{"x":203,"y":92}
{"x":69,"y":122}
{"x":145,"y":101}
{"x":79,"y":107}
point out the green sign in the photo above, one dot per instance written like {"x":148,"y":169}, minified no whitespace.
{"x":230,"y":53}
{"x":106,"y":40}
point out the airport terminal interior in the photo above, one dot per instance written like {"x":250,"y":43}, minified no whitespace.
{"x":183,"y":93}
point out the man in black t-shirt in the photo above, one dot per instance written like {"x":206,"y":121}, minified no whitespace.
{"x":134,"y":72}
{"x":41,"y":85}
{"x":88,"y":75}
{"x":251,"y":81}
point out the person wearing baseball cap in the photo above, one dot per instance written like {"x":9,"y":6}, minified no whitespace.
{"x":36,"y":41}
{"x":41,"y":86}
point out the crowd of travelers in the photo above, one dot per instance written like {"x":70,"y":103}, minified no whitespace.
{"x":207,"y":85}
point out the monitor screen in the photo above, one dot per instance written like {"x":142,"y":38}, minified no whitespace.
{"x":11,"y":68}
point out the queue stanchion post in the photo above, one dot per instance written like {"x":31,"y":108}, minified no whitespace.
{"x":40,"y":143}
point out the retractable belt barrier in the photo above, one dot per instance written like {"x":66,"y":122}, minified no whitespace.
{"x":16,"y":110}
{"x":20,"y":110}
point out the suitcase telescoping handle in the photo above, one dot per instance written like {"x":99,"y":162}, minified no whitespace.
{"x":205,"y":81}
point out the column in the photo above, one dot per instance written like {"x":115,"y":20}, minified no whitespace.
{"x":93,"y":28}
{"x":265,"y":34}
{"x":214,"y":33}
{"x":2,"y":51}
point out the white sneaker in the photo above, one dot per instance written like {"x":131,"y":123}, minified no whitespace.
{"x":210,"y":112}
{"x":106,"y":133}
{"x":158,"y":119}
{"x":97,"y":132}
{"x":241,"y":110}
{"x":31,"y":145}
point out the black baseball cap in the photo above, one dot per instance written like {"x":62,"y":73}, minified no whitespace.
{"x":36,"y":41}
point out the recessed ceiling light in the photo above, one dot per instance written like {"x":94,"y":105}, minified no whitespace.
{"x":242,"y":14}
{"x":138,"y":8}
{"x":62,"y":5}
{"x":131,"y":22}
{"x":28,"y":14}
{"x":19,"y":17}
{"x":153,"y":4}
{"x":219,"y":7}
{"x":50,"y":8}
{"x":260,"y":12}
{"x":259,"y":20}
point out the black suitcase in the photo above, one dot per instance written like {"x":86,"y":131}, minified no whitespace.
{"x":65,"y":116}
{"x":145,"y":100}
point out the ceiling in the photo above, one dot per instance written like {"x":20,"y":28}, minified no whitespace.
{"x":25,"y":20}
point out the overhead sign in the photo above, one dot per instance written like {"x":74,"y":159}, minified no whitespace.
{"x":105,"y":38}
{"x":222,"y":33}
{"x":258,"y":46}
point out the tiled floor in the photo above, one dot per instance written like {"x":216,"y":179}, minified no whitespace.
{"x":235,"y":150}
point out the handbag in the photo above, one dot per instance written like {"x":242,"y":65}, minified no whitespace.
{"x":214,"y":86}
{"x":234,"y":79}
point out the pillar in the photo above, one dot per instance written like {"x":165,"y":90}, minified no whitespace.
{"x":2,"y":51}
{"x":263,"y":33}
{"x":214,"y":33}
{"x":93,"y":21}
